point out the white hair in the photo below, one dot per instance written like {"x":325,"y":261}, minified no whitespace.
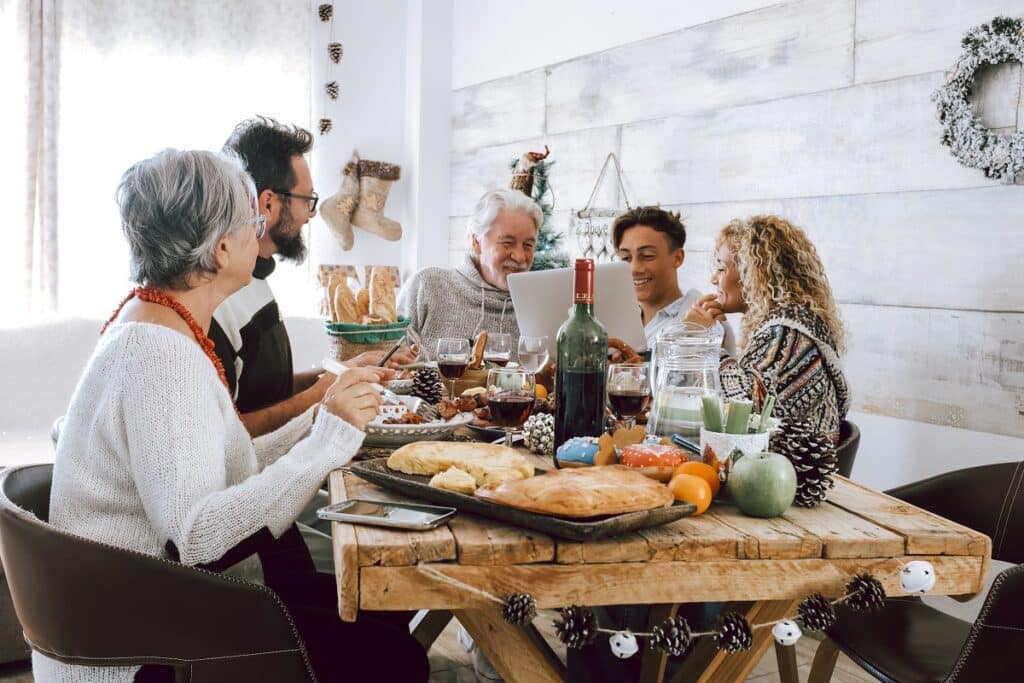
{"x":493,"y":202}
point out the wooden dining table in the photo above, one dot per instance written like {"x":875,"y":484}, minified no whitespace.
{"x":720,"y":556}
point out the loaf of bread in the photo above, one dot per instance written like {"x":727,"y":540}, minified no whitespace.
{"x":476,"y":359}
{"x":486,"y":462}
{"x":363,"y":302}
{"x":454,"y":479}
{"x":345,"y":310}
{"x":382,"y":294}
{"x":581,"y":492}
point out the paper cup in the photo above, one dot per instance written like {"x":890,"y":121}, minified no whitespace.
{"x":720,"y":450}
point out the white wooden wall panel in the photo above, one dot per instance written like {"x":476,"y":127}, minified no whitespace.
{"x":903,"y":37}
{"x":498,"y":111}
{"x":785,"y":49}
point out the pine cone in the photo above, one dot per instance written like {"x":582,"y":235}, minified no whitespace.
{"x":866,"y":594}
{"x":325,"y":11}
{"x":577,"y":627}
{"x":733,"y":633}
{"x":332,"y":90}
{"x":814,"y":458}
{"x":539,"y":433}
{"x":334,"y":51}
{"x":673,"y":636}
{"x":519,"y":609}
{"x":325,"y":126}
{"x":816,"y":613}
{"x":426,"y":384}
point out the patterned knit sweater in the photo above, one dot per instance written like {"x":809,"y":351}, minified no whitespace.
{"x":792,"y":355}
{"x":152,"y":451}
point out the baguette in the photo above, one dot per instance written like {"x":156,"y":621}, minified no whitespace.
{"x":363,"y":302}
{"x":382,"y":295}
{"x":476,"y":359}
{"x":345,"y":310}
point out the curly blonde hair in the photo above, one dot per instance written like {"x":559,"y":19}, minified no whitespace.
{"x":779,"y":265}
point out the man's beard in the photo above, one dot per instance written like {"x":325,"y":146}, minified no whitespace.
{"x":287,"y":238}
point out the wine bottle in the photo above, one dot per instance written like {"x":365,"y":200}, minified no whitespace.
{"x":582,"y":363}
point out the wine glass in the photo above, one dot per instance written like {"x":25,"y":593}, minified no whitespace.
{"x":452,"y":359}
{"x":533,"y":353}
{"x":498,"y":349}
{"x":629,"y":390}
{"x":510,"y":397}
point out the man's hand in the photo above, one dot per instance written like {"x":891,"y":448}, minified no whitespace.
{"x":352,"y":396}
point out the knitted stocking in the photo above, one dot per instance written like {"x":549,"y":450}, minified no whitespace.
{"x":337,"y":209}
{"x":375,"y":178}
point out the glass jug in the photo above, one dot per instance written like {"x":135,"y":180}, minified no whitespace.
{"x":684,"y":369}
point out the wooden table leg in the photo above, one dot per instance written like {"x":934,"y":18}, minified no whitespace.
{"x":785,"y":657}
{"x":519,"y":653}
{"x":736,"y":667}
{"x":430,"y":627}
{"x":652,"y":665}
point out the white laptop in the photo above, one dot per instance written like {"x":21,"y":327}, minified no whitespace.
{"x":542,"y":300}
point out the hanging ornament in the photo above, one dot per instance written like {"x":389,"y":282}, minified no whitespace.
{"x":816,"y":613}
{"x":917,"y":577}
{"x":866,"y":593}
{"x":577,"y":627}
{"x":539,"y":433}
{"x":335,"y":51}
{"x":332,"y":89}
{"x":733,"y":633}
{"x":623,"y":644}
{"x":786,"y":632}
{"x":519,"y":609}
{"x":673,"y":636}
{"x":325,"y":126}
{"x":325,"y":11}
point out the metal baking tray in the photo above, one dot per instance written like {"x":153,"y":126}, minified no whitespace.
{"x":377,"y":472}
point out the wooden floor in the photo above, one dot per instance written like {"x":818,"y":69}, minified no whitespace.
{"x":450,"y":663}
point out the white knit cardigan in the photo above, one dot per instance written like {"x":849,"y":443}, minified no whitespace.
{"x":152,"y":450}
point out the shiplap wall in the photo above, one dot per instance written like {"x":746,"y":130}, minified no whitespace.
{"x":819,"y":111}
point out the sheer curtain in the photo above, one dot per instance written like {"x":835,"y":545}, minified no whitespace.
{"x":100,"y":84}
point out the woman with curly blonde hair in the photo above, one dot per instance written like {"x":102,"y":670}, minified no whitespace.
{"x":767,"y":269}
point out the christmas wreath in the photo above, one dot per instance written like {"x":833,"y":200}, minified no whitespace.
{"x":974,"y":145}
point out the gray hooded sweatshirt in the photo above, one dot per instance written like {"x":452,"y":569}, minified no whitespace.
{"x":455,"y":302}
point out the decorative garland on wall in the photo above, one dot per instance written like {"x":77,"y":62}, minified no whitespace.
{"x":334,"y":54}
{"x":974,"y":145}
{"x":732,"y":633}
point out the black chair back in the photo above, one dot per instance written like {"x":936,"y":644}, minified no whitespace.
{"x":84,"y":602}
{"x":846,"y":449}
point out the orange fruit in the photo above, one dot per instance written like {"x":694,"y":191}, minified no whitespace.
{"x":540,"y":392}
{"x":690,"y":488}
{"x":702,"y":470}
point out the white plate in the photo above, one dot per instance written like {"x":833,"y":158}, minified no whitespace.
{"x":382,"y":435}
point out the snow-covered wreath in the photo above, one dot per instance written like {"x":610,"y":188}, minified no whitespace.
{"x":999,"y":156}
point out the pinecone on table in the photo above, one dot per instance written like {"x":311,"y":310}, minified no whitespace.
{"x":426,"y":384}
{"x":539,"y":434}
{"x":814,"y":458}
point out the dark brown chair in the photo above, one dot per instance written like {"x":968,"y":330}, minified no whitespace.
{"x":846,"y":449}
{"x":84,"y":602}
{"x":909,"y":641}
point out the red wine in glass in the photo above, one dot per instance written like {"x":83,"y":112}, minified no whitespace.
{"x":628,"y":403}
{"x":452,"y":369}
{"x":499,"y":360}
{"x":510,"y":410}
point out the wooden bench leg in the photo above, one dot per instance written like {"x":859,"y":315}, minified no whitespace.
{"x":824,"y":662}
{"x":519,"y":653}
{"x":430,"y":627}
{"x":785,"y":657}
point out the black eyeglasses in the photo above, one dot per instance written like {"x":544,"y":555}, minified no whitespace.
{"x":312,"y":199}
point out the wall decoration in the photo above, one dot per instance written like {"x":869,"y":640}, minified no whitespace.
{"x":592,"y":226}
{"x":334,"y":53}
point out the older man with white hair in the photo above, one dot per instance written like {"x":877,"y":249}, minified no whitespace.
{"x":473,"y":296}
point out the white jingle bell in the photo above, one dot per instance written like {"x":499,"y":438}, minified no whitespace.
{"x":786,"y":632}
{"x":623,"y":644}
{"x":917,"y":577}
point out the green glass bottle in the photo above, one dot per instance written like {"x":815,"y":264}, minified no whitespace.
{"x":582,"y":363}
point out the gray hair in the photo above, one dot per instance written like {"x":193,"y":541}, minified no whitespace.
{"x":493,"y":202}
{"x":176,"y":207}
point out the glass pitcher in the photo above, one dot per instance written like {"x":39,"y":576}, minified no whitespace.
{"x":684,"y":369}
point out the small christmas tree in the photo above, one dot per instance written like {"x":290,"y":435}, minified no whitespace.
{"x":530,"y":175}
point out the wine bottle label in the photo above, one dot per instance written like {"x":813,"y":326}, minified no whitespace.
{"x":583,"y":285}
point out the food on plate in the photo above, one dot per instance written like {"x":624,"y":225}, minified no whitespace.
{"x":578,"y":451}
{"x":405,"y":419}
{"x":448,"y":408}
{"x":628,"y":437}
{"x":655,"y":460}
{"x":690,"y":488}
{"x":476,"y":358}
{"x":581,"y":492}
{"x":486,"y":462}
{"x":382,"y":294}
{"x":454,"y":479}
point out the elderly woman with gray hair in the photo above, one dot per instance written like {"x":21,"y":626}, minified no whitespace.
{"x":153,"y":456}
{"x":473,"y":296}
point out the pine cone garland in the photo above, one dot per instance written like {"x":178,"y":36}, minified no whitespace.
{"x":814,"y":458}
{"x":325,"y":11}
{"x":733,"y":633}
{"x":332,"y":89}
{"x":577,"y":627}
{"x":673,"y":636}
{"x":816,"y":613}
{"x":539,"y":434}
{"x":519,"y":609}
{"x":866,"y":594}
{"x":325,"y":126}
{"x":334,"y":51}
{"x":426,"y":384}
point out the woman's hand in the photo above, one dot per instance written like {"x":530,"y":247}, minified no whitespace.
{"x":353,"y":398}
{"x":402,"y":356}
{"x":706,"y":311}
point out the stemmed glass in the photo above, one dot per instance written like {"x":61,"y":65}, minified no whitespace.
{"x":533,"y":353}
{"x":629,"y":390}
{"x":452,"y":359}
{"x":510,"y":394}
{"x":498,"y":349}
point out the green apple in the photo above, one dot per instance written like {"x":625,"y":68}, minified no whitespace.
{"x":763,"y":484}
